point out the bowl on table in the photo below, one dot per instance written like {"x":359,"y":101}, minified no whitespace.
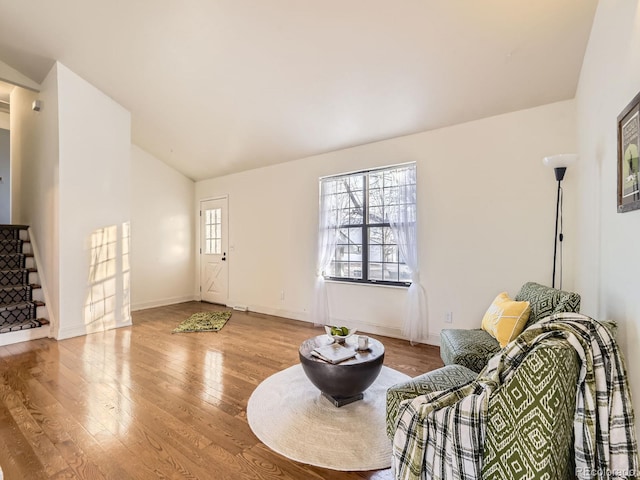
{"x":343,"y":336}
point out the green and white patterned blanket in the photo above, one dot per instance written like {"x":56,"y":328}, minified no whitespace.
{"x":441,"y":435}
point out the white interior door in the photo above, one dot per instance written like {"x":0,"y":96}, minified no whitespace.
{"x":214,"y":265}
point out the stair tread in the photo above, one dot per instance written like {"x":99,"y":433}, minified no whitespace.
{"x":43,"y":321}
{"x":14,"y":227}
{"x":14,"y":270}
{"x":28,"y":255}
{"x":24,"y":325}
{"x":34,"y":286}
{"x":12,"y":306}
{"x":16,"y":286}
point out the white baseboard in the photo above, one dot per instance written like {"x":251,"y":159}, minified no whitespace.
{"x":276,"y":312}
{"x":25,"y":335}
{"x":163,"y":302}
{"x":81,"y":330}
{"x":376,"y":329}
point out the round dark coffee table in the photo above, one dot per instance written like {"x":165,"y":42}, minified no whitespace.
{"x":344,"y":382}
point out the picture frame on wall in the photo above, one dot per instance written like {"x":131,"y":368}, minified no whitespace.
{"x":628,"y":162}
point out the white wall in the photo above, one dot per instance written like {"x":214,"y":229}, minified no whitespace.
{"x":609,"y":257}
{"x":34,"y":180}
{"x":486,"y":206}
{"x":78,"y":181}
{"x":4,"y":121}
{"x":5,"y":181}
{"x":162,"y":226}
{"x":94,"y":202}
{"x":71,"y":183}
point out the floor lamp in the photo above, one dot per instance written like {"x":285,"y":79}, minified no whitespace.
{"x":559,"y":163}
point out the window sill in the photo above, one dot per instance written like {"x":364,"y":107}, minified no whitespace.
{"x":367,"y":284}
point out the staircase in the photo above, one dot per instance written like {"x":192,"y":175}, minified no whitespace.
{"x":21,"y":305}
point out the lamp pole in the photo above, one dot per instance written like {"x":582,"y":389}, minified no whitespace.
{"x":559,"y":163}
{"x":559,"y":171}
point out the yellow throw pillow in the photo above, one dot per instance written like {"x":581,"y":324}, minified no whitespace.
{"x":505,"y":318}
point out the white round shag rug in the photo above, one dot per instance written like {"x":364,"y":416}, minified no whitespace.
{"x":290,"y":416}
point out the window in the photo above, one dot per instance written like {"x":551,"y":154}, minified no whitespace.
{"x":359,"y":207}
{"x":213,"y":231}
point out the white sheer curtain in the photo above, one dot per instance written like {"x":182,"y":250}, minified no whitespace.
{"x":332,"y":210}
{"x":402,"y":218}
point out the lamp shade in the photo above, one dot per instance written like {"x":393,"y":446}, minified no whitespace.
{"x":561,"y":160}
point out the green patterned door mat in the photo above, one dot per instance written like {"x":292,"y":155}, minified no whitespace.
{"x":203,"y":322}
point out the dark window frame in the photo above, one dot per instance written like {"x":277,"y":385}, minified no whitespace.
{"x":365,"y":245}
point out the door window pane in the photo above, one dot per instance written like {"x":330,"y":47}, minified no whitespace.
{"x":213,"y":231}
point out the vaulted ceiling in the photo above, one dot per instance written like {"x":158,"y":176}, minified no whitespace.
{"x":220,"y":86}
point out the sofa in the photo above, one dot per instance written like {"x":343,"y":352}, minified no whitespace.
{"x":530,"y":434}
{"x":474,"y":347}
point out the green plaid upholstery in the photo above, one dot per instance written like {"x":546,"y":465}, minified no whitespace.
{"x":546,"y":300}
{"x":434,"y":381}
{"x":532,"y":415}
{"x":473,"y":348}
{"x":469,"y":348}
{"x":530,"y":427}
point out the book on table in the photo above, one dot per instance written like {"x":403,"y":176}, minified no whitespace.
{"x":334,"y":353}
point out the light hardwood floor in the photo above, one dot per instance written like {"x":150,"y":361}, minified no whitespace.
{"x":141,"y":403}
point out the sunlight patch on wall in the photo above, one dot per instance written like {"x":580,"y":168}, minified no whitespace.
{"x":108,"y":299}
{"x":99,"y":311}
{"x":126,"y":273}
